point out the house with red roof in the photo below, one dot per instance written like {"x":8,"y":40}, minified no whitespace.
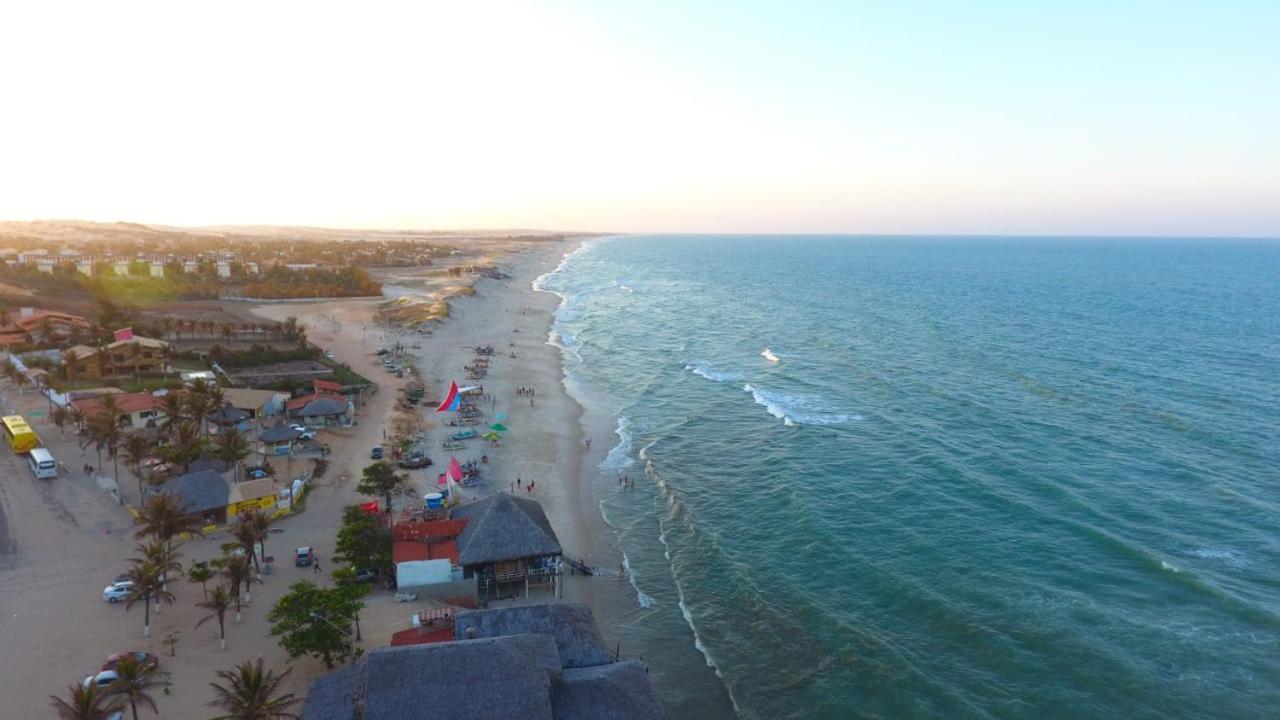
{"x":138,"y":407}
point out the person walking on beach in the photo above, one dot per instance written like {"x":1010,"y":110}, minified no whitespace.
{"x":315,"y":565}
{"x":518,"y":482}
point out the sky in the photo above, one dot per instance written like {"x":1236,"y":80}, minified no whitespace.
{"x":1133,"y":118}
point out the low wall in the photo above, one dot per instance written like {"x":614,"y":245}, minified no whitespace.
{"x":444,"y":590}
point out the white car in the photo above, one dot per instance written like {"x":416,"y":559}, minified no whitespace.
{"x":304,"y":432}
{"x":116,"y":592}
{"x":102,"y":679}
{"x":329,"y":354}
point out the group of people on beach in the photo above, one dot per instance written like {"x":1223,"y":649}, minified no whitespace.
{"x":519,"y":484}
{"x":529,"y":392}
{"x":626,"y":482}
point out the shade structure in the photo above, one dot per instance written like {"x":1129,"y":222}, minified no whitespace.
{"x":501,"y":416}
{"x":491,"y":435}
{"x":498,"y":427}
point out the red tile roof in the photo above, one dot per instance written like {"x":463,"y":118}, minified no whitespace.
{"x":322,"y":386}
{"x":413,"y":550}
{"x":422,"y":635}
{"x":428,"y":530}
{"x":127,"y":402}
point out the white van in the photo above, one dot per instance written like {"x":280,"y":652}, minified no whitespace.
{"x":42,"y":464}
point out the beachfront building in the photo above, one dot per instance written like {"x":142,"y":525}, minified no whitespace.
{"x":279,"y":439}
{"x":425,"y":555}
{"x":201,"y":493}
{"x":136,"y":356}
{"x":537,"y":662}
{"x":507,"y":545}
{"x":257,"y":403}
{"x":322,"y":410}
{"x":227,"y":417}
{"x":259,"y":495}
{"x":37,"y":325}
{"x":137,"y":408}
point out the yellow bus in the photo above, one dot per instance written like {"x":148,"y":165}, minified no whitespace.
{"x":19,"y":434}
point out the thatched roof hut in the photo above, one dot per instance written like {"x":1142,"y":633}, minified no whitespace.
{"x":503,"y":527}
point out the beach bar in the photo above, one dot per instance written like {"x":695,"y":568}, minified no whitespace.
{"x":507,"y":545}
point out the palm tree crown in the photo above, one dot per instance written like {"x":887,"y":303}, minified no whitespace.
{"x":250,"y":693}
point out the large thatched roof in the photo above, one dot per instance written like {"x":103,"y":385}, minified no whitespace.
{"x":570,"y":624}
{"x":502,"y":527}
{"x":547,"y":675}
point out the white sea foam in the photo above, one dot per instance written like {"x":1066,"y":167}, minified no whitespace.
{"x":1169,"y":567}
{"x":619,"y":455}
{"x":645,"y":600}
{"x":1230,"y":558}
{"x":703,"y":370}
{"x":798,"y":409}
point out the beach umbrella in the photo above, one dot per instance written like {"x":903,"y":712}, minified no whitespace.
{"x":498,"y":427}
{"x":491,"y":435}
{"x":501,"y":416}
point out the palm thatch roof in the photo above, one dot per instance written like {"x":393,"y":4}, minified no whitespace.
{"x":570,"y":624}
{"x":278,"y":433}
{"x":502,"y":527}
{"x":506,"y":677}
{"x":198,"y":491}
{"x":617,"y":691}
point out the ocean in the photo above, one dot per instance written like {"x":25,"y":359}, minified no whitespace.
{"x":986,"y":477}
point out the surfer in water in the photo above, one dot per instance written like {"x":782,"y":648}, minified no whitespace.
{"x":767,"y":354}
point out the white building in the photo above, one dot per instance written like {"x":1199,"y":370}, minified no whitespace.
{"x":84,"y":267}
{"x":189,"y":266}
{"x":45,"y":266}
{"x":157,"y":270}
{"x":253,"y":268}
{"x":121,"y":267}
{"x":224,"y":269}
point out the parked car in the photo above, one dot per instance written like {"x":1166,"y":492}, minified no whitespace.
{"x":414,"y":460}
{"x":144,"y":659}
{"x":376,"y":453}
{"x":116,"y":592}
{"x":329,"y":354}
{"x":365,"y":575}
{"x":302,"y":557}
{"x":304,"y":432}
{"x":383,"y":351}
{"x":102,"y":679}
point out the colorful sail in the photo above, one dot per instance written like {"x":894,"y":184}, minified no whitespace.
{"x":451,"y":399}
{"x":455,"y":470}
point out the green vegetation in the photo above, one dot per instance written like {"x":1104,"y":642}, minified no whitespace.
{"x":311,"y":620}
{"x":250,"y":692}
{"x":364,"y":541}
{"x":381,"y":478}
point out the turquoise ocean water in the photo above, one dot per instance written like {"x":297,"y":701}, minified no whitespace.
{"x":1007,"y":478}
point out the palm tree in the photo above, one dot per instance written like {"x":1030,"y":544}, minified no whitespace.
{"x":162,"y":518}
{"x":77,"y":418}
{"x":148,"y":583}
{"x":232,"y":447}
{"x":185,"y":445}
{"x":251,"y":530}
{"x":172,"y":407}
{"x":156,"y":554}
{"x":60,"y":416}
{"x":218,"y":604}
{"x":105,"y":430}
{"x":136,"y":451}
{"x":134,"y":683}
{"x":227,"y":331}
{"x":250,"y":693}
{"x":200,"y":572}
{"x":86,"y":703}
{"x":236,"y":570}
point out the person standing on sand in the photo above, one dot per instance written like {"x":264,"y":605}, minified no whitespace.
{"x":315,"y":565}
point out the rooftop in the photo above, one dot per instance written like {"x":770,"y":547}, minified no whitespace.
{"x":503,"y":527}
{"x":198,"y":491}
{"x":532,"y":672}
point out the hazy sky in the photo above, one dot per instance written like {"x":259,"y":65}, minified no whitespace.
{"x":1010,"y":117}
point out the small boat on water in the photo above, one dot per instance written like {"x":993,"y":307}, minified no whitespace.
{"x":768,"y":355}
